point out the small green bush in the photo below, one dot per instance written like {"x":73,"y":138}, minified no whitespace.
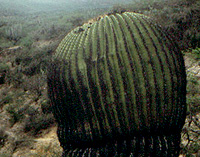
{"x":3,"y":137}
{"x":6,"y":99}
{"x":6,"y":96}
{"x":23,"y":60}
{"x":4,"y":69}
{"x":46,"y":107}
{"x":193,"y":91}
{"x":14,"y":32}
{"x":34,"y":124}
{"x":27,"y":42}
{"x":196,"y":52}
{"x":15,"y":77}
{"x":15,"y":114}
{"x":34,"y":84}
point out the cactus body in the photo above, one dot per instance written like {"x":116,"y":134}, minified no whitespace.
{"x":118,"y":85}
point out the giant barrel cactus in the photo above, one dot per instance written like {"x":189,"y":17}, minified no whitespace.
{"x":117,"y":86}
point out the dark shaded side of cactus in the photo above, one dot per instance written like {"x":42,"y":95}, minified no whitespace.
{"x":118,"y":88}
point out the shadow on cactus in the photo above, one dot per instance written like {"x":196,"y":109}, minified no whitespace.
{"x":117,"y":87}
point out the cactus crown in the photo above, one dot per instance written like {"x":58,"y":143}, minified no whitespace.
{"x":117,"y":77}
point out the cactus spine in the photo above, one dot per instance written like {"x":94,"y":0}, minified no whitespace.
{"x":118,"y":81}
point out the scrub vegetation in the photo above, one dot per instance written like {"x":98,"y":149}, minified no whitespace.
{"x":28,"y":39}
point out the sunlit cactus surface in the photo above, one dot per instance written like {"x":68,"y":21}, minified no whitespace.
{"x":117,"y":88}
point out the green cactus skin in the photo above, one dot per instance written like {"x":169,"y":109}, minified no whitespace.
{"x":118,"y":85}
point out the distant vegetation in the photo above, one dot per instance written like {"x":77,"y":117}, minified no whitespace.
{"x":28,"y":38}
{"x":180,"y":17}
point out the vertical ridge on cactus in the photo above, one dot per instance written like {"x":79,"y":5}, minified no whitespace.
{"x":118,"y":87}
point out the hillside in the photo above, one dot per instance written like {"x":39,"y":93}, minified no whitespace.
{"x":30,"y":35}
{"x":37,"y":6}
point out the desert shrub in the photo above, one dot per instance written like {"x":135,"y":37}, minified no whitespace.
{"x":34,"y":124}
{"x":1,"y":50}
{"x":35,"y":62}
{"x":34,"y":84}
{"x":14,"y":32}
{"x":77,"y":21}
{"x":192,"y":84}
{"x":32,"y":69}
{"x":15,"y":77}
{"x":27,"y":42}
{"x":193,"y":103}
{"x":193,"y":91}
{"x":15,"y":113}
{"x":193,"y":94}
{"x":5,"y":43}
{"x":6,"y":99}
{"x":36,"y":66}
{"x":52,"y":31}
{"x":4,"y":70}
{"x":32,"y":111}
{"x":2,"y":23}
{"x":3,"y":67}
{"x":196,"y":52}
{"x":10,"y":97}
{"x":23,"y":60}
{"x":46,"y":106}
{"x":3,"y":137}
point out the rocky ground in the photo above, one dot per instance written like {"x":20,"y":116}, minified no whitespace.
{"x":191,"y":129}
{"x":192,"y":66}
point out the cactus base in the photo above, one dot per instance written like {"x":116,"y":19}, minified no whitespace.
{"x":138,"y":146}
